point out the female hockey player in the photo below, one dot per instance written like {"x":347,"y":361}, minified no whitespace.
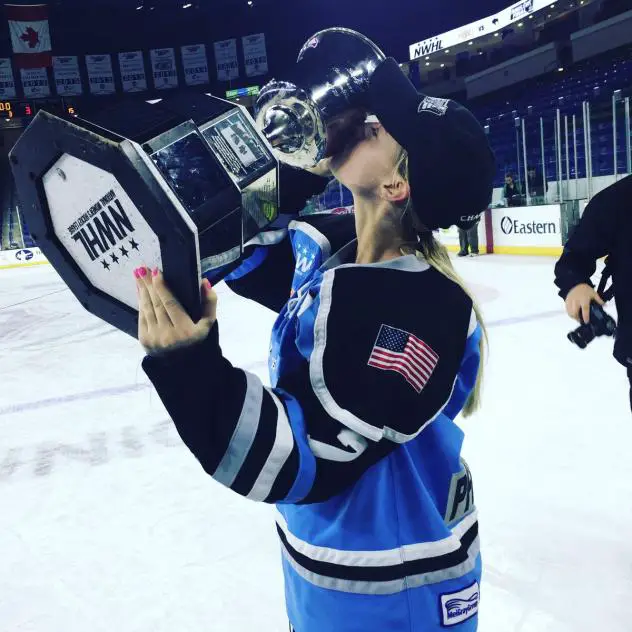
{"x":372,"y":357}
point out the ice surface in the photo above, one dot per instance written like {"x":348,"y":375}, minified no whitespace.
{"x":108,"y":523}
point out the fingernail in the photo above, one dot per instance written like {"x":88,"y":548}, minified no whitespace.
{"x":142,"y":272}
{"x":136,"y":273}
{"x":154,"y":272}
{"x":208,"y":284}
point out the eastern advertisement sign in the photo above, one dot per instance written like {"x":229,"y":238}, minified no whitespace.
{"x":527,"y":230}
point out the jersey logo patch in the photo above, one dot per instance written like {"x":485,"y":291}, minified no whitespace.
{"x":461,"y":496}
{"x":460,"y":606}
{"x":435,"y":106}
{"x":400,"y":351}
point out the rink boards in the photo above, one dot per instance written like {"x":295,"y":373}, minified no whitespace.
{"x":23,"y":257}
{"x":534,"y":230}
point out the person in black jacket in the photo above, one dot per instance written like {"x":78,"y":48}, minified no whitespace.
{"x":604,"y":231}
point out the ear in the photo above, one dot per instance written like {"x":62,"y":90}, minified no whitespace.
{"x":396,"y":191}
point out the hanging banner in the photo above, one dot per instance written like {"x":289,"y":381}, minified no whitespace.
{"x":100,"y":74}
{"x":255,"y":55}
{"x":163,"y":63}
{"x":67,"y":77}
{"x":7,"y":82}
{"x":226,"y":60}
{"x":30,"y":35}
{"x":133,"y":76}
{"x":195,"y":64}
{"x":35,"y":82}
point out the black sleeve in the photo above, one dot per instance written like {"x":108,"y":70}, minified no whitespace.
{"x":268,"y":280}
{"x":309,"y":441}
{"x":593,"y":238}
{"x":296,"y":187}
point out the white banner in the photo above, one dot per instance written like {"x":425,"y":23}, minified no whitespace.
{"x":195,"y":64}
{"x":133,"y":76}
{"x":491,"y":24}
{"x":163,"y":63}
{"x":35,"y":83}
{"x":23,"y":257}
{"x":255,"y":55}
{"x":226,"y":60}
{"x":525,"y":230}
{"x":100,"y":74}
{"x":7,"y":82}
{"x":67,"y":77}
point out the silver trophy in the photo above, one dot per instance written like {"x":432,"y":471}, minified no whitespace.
{"x":315,"y":113}
{"x":182,"y":185}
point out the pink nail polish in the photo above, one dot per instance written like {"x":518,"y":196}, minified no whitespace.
{"x":142,"y":272}
{"x":209,"y":285}
{"x":136,"y":273}
{"x":154,"y":272}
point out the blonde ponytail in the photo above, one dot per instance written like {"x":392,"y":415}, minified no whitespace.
{"x":435,"y":254}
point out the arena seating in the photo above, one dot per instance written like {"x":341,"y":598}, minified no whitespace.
{"x":593,"y":80}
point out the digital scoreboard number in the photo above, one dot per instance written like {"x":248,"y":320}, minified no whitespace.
{"x":28,"y":109}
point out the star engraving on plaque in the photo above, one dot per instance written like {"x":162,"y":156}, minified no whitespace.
{"x":123,"y":251}
{"x":105,"y":264}
{"x":133,"y":244}
{"x":115,"y":259}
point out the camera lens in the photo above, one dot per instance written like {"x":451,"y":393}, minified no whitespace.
{"x":582,"y":336}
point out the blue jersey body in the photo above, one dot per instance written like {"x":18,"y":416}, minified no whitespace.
{"x":354,"y":440}
{"x":387,"y":544}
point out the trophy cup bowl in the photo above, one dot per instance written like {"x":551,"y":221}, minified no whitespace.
{"x":316,"y":112}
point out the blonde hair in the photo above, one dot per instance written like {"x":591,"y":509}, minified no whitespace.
{"x":426,"y":247}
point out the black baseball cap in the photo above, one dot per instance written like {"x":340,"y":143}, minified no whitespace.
{"x":451,"y":165}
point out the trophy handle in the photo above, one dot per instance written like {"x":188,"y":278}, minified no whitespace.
{"x":314,"y":40}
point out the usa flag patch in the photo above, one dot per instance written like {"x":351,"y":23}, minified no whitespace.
{"x":400,"y":351}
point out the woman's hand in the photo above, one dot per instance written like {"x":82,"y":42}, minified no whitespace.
{"x":578,"y":301}
{"x":163,"y":325}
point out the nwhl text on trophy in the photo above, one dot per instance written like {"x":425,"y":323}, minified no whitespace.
{"x":181,"y":185}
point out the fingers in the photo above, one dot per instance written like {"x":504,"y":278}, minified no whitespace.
{"x":145,"y":305}
{"x":210,"y":302}
{"x":169,"y":304}
{"x":162,"y":322}
{"x":585,"y":307}
{"x":598,"y":299}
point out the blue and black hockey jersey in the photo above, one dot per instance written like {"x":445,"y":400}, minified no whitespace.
{"x":354,"y":440}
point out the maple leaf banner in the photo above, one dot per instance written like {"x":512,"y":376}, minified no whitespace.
{"x":30,"y":35}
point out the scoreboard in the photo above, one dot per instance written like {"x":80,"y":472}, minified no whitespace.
{"x":25,"y":109}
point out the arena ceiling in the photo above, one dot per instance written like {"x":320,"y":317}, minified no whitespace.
{"x":394,"y":24}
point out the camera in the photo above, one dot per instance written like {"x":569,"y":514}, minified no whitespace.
{"x":601,"y":324}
